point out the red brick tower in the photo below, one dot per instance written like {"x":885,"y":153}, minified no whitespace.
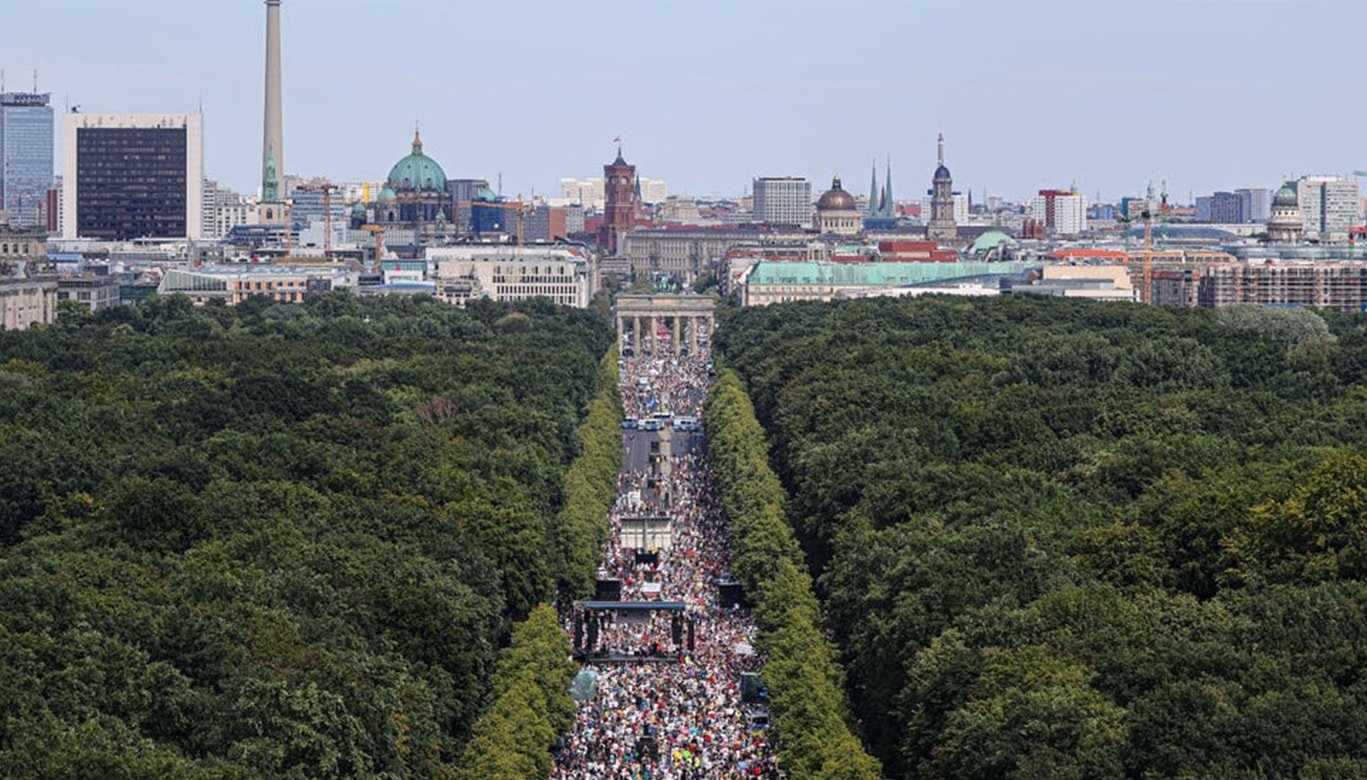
{"x":619,"y":180}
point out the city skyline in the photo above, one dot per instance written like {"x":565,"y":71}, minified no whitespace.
{"x":1102,"y":95}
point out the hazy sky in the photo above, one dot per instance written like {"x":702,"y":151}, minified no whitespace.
{"x":709,"y":94}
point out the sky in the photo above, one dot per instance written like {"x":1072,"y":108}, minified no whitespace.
{"x":1105,"y":94}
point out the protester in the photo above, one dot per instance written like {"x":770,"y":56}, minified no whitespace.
{"x":661,"y":711}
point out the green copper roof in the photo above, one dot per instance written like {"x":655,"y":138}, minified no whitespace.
{"x":990,"y":239}
{"x":1285,"y":196}
{"x":417,"y":171}
{"x":874,"y":274}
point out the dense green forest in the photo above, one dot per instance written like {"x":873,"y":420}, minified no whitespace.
{"x":807,"y":704}
{"x":279,"y":540}
{"x":1059,"y":539}
{"x":530,"y":707}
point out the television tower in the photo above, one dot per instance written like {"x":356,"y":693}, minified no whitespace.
{"x":272,"y":142}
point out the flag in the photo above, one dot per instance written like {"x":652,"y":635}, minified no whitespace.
{"x":617,"y":140}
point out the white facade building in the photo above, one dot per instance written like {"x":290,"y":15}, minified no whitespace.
{"x":234,"y":283}
{"x":588,"y":193}
{"x":506,"y":273}
{"x":159,"y":158}
{"x":1329,"y":206}
{"x":1069,"y":216}
{"x":592,"y":194}
{"x":653,"y":190}
{"x":1257,"y":203}
{"x":783,"y":200}
{"x":224,"y":210}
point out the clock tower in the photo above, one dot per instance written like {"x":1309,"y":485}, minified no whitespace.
{"x":619,"y":184}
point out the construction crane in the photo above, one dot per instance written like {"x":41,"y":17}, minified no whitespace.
{"x":326,"y":188}
{"x":1148,"y":255}
{"x":379,"y":246}
{"x":1147,"y":216}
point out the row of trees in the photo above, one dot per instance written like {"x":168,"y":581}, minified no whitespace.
{"x":280,"y":540}
{"x":1068,"y":539}
{"x":530,"y":704}
{"x":811,"y":721}
{"x":591,"y":486}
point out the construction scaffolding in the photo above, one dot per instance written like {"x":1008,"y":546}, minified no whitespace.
{"x":1338,"y":285}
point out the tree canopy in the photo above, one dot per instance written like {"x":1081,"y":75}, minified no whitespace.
{"x":1071,"y":539}
{"x":812,"y":724}
{"x":280,"y":540}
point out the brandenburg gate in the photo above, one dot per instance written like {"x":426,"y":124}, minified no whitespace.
{"x":644,"y":314}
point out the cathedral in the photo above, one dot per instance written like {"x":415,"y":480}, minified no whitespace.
{"x":415,"y":192}
{"x":416,"y":204}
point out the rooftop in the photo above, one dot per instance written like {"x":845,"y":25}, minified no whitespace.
{"x":874,"y":274}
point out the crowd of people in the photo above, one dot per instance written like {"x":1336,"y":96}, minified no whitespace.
{"x":683,"y":719}
{"x":675,"y":384}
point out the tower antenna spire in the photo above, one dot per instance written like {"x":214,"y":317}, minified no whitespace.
{"x":272,"y":135}
{"x":940,"y":150}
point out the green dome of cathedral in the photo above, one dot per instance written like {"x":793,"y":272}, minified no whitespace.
{"x":417,"y":171}
{"x":1285,"y":196}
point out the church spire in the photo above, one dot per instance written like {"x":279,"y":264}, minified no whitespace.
{"x":889,"y":210}
{"x":417,"y":139}
{"x":874,"y":204}
{"x":270,"y":185}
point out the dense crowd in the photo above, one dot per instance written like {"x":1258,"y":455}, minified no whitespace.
{"x":682,"y":719}
{"x":675,"y":384}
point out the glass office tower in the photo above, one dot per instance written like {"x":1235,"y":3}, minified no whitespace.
{"x":25,"y":157}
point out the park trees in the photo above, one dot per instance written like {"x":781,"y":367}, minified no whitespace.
{"x":284,"y":541}
{"x":1068,"y":539}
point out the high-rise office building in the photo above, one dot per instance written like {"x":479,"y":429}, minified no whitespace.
{"x":1204,"y":205}
{"x":1227,"y":208}
{"x":1257,"y":203}
{"x":224,"y":210}
{"x":1062,"y":212}
{"x":129,"y":176}
{"x":651,"y":191}
{"x":783,"y":200}
{"x":1329,"y":205}
{"x":588,"y":193}
{"x":25,"y":157}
